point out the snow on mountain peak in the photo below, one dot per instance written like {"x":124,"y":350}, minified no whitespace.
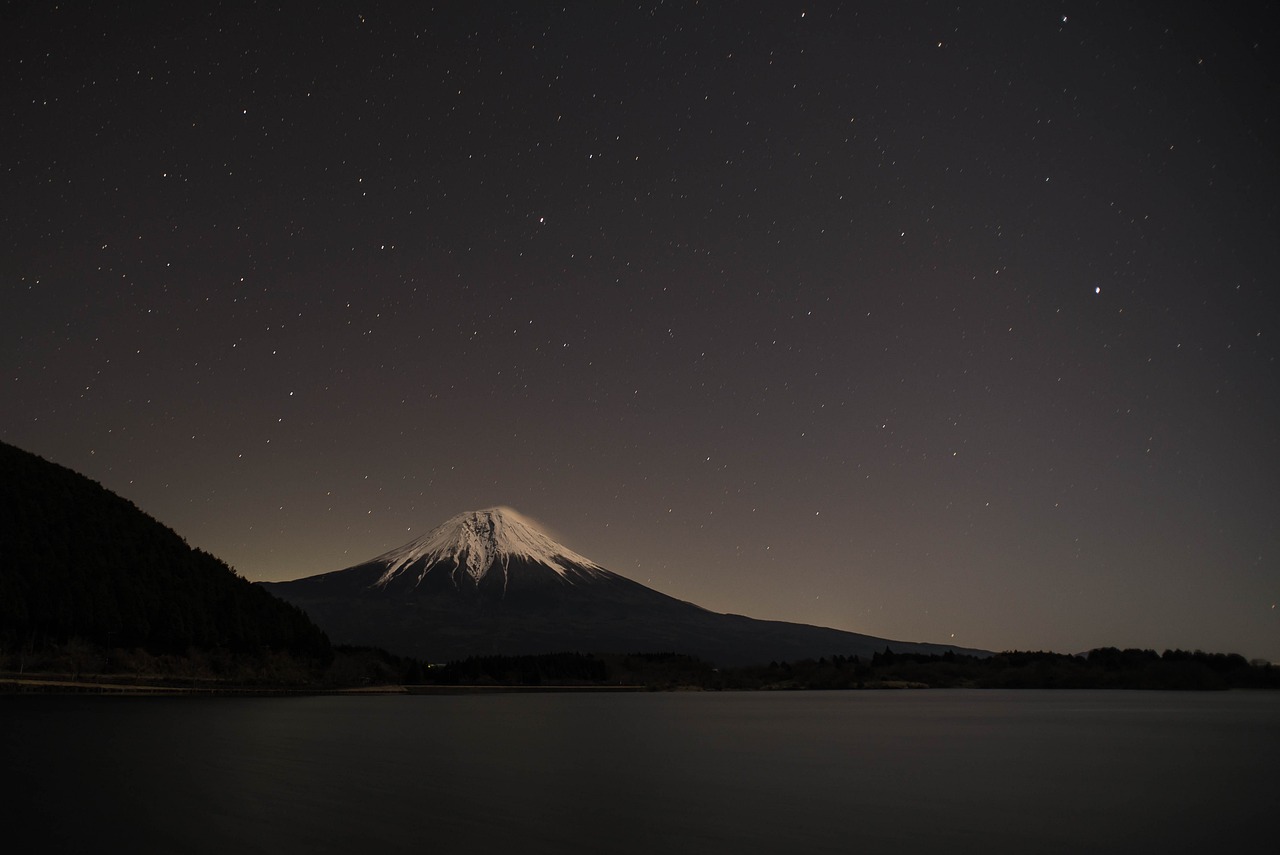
{"x":474,"y":541}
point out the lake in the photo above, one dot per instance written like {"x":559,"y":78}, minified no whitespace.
{"x":872,"y":771}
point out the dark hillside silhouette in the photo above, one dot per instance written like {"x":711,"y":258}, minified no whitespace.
{"x":79,"y":563}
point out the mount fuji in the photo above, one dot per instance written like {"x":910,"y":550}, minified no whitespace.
{"x":491,"y":582}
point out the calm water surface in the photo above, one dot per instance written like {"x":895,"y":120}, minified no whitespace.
{"x":901,"y":772}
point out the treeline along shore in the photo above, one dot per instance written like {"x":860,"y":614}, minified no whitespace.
{"x":355,"y":669}
{"x":1104,"y":668}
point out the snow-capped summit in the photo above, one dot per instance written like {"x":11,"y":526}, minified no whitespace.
{"x":477,"y":542}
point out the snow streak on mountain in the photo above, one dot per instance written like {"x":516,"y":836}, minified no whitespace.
{"x":477,"y":541}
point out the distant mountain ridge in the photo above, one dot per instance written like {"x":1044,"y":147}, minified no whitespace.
{"x":79,"y":562}
{"x":491,"y":582}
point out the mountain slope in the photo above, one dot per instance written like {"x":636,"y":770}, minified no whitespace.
{"x":78,"y":561}
{"x":489,"y":582}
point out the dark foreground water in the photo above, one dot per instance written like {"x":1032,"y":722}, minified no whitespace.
{"x":900,"y":772}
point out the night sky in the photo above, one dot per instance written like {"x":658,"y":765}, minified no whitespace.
{"x":948,"y":321}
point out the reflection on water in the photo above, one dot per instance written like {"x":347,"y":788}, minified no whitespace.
{"x":921,"y":771}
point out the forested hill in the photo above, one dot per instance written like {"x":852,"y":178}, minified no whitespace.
{"x":79,"y":562}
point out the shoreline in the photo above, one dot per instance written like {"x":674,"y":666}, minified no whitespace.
{"x":15,"y":684}
{"x":67,"y":686}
